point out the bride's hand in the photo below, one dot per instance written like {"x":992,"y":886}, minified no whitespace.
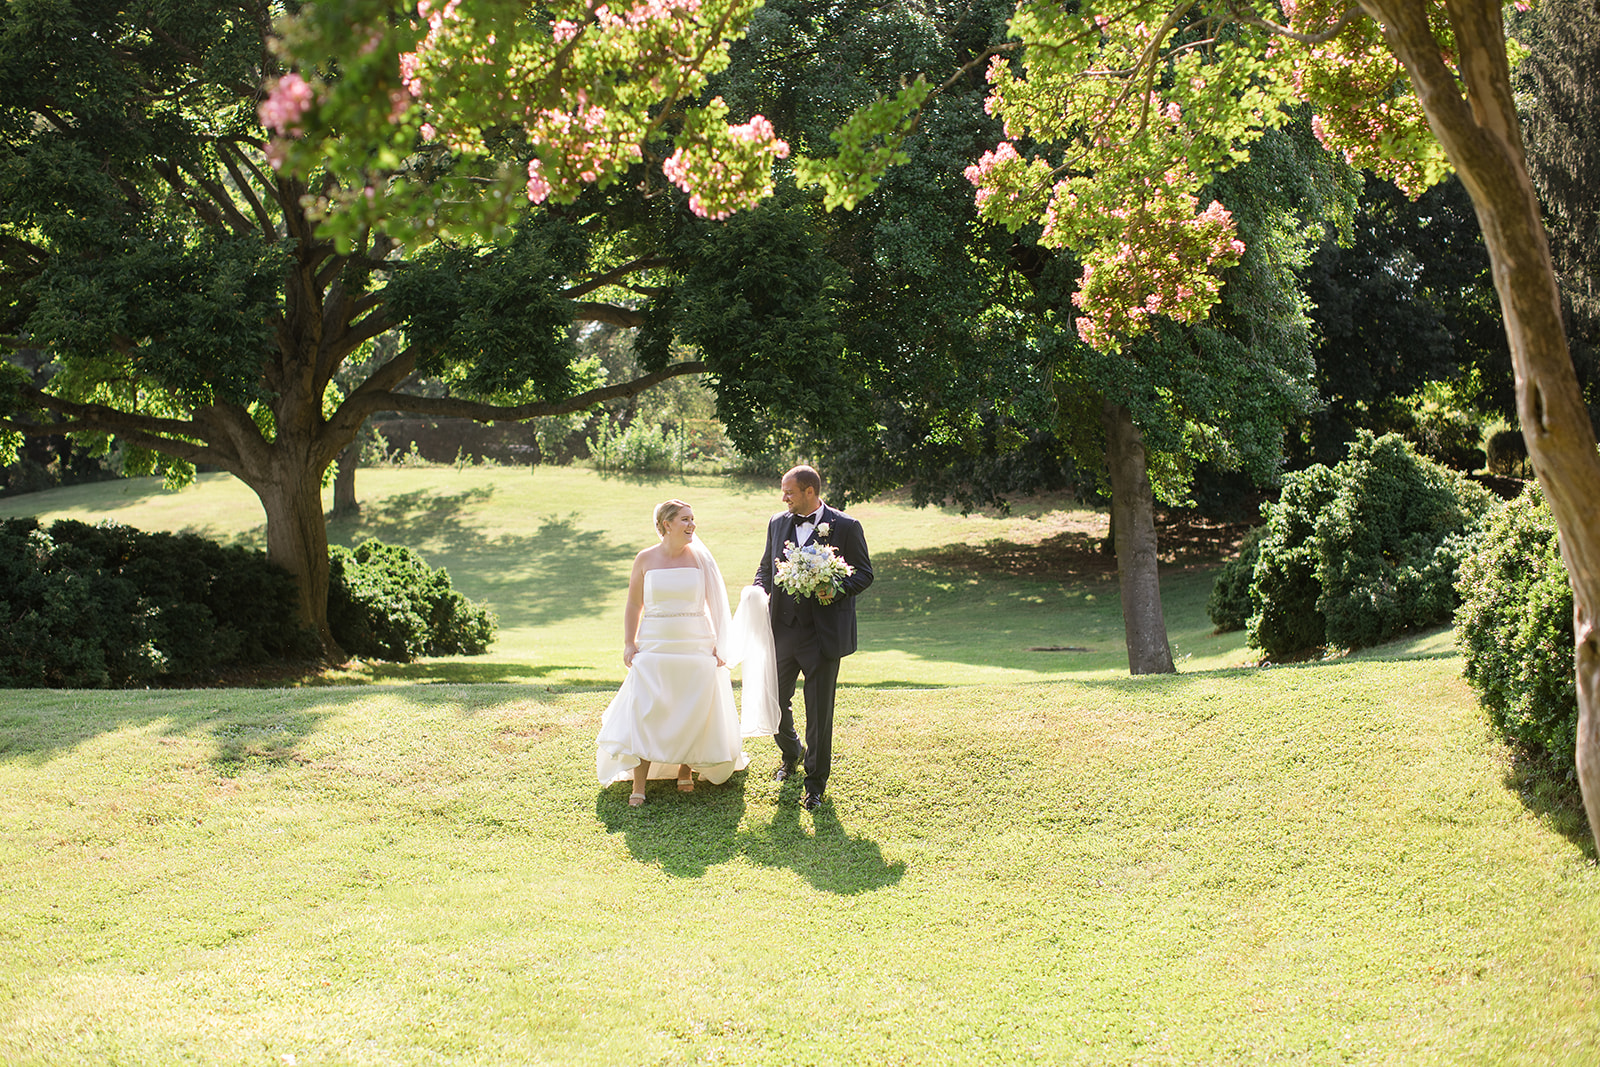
{"x":719,"y":660}
{"x":629,"y":651}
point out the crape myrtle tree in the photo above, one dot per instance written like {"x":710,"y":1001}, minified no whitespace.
{"x":156,"y":246}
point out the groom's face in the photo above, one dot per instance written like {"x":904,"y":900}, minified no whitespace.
{"x":799,"y":499}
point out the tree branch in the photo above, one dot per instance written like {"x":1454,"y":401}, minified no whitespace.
{"x":447,"y":406}
{"x":1250,"y":18}
{"x":219,"y":196}
{"x":226,"y":152}
{"x":610,"y":276}
{"x":182,"y":449}
{"x":614,"y":314}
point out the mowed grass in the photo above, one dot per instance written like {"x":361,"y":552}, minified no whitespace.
{"x":1030,"y":860}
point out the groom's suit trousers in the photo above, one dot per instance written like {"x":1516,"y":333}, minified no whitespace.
{"x":821,"y":680}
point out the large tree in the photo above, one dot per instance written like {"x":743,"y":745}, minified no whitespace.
{"x":191,"y":308}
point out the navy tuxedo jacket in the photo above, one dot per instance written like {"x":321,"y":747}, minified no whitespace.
{"x":834,"y":623}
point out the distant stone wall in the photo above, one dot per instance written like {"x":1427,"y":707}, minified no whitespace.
{"x":442,"y":440}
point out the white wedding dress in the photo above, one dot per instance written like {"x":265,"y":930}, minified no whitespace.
{"x":676,"y":705}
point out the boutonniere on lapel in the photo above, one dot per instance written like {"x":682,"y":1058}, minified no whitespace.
{"x":823,"y":528}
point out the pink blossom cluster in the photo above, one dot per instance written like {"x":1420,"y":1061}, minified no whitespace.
{"x":579,"y":147}
{"x":759,"y":130}
{"x":1165,"y":262}
{"x":722,"y":179}
{"x":290,"y":97}
{"x":978,"y":173}
{"x":538,"y":185}
{"x":644,"y":12}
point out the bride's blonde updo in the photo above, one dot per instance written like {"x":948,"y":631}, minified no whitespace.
{"x":666,"y":511}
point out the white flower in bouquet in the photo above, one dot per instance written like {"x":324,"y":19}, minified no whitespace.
{"x":810,"y":570}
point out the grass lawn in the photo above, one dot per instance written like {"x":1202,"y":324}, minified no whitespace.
{"x":1028,"y":857}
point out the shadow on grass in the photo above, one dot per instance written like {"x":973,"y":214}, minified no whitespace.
{"x":245,"y":743}
{"x":1547,"y":790}
{"x":686,"y":834}
{"x":109,"y":495}
{"x":452,"y":672}
{"x":255,"y":739}
{"x":555,"y":571}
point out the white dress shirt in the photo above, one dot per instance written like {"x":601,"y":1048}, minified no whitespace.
{"x":805,"y":527}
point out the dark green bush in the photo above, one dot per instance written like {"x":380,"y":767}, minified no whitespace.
{"x":1365,"y":551}
{"x":385,"y":602}
{"x":1391,"y":540}
{"x":1229,"y":603}
{"x":1284,"y":615}
{"x":1514,"y":627}
{"x":110,"y":606}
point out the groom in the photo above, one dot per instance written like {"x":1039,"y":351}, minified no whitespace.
{"x":811,"y":634}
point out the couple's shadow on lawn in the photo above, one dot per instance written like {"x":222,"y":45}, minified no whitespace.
{"x":687,"y":834}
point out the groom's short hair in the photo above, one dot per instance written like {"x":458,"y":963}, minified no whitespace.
{"x":806,"y":476}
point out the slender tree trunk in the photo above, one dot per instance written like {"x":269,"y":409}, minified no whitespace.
{"x":1133,"y":525}
{"x":345,"y":503}
{"x":1480,"y":134}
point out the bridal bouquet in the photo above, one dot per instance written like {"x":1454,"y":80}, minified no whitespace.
{"x":811,"y":569}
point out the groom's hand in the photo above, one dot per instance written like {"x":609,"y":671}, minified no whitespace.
{"x":824,"y":598}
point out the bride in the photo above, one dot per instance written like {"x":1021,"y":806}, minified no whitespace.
{"x":674,"y":715}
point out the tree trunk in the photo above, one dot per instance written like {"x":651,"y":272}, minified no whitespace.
{"x":1481,"y":136}
{"x":345,"y":504}
{"x":297,"y":541}
{"x":1133,"y":525}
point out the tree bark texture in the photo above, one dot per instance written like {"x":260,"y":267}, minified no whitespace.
{"x":1133,"y":525}
{"x":297,"y":541}
{"x":345,"y":503}
{"x":1479,"y":132}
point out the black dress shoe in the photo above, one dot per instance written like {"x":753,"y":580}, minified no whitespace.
{"x":811,"y":801}
{"x":786,"y":768}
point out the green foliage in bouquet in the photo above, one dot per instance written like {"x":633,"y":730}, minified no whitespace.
{"x":1362,"y":552}
{"x":1514,"y":627}
{"x":109,"y":606}
{"x":385,"y":602}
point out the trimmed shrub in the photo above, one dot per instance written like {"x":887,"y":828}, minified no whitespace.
{"x":1363,"y":552}
{"x":1284,"y":615}
{"x":1514,"y":627}
{"x":1391,"y":540}
{"x":1229,"y":603}
{"x":385,"y":602}
{"x":97,"y":606}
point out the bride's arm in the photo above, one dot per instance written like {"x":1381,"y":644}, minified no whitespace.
{"x":630,"y":614}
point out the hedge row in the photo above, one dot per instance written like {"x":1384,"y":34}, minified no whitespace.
{"x":109,"y":606}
